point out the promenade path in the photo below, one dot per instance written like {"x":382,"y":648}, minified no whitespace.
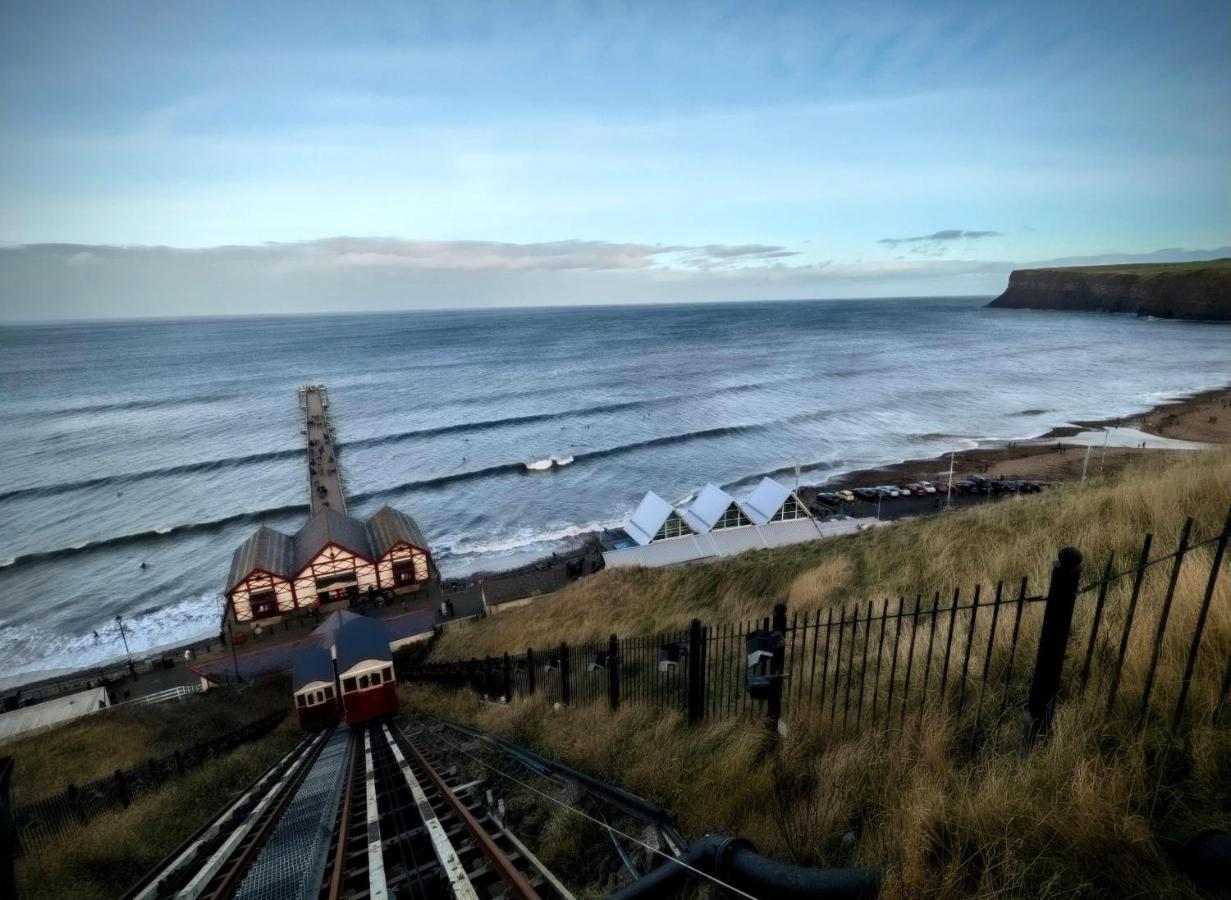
{"x":324,"y":478}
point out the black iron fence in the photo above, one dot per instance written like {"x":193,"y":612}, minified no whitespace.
{"x":39,"y":822}
{"x":979,"y":655}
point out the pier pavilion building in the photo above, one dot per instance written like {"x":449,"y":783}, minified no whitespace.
{"x":333,"y":559}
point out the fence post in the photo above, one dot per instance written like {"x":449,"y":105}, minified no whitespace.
{"x":121,"y":785}
{"x":566,"y":672}
{"x":696,"y":673}
{"x":529,"y":670}
{"x":74,"y":803}
{"x":8,"y":834}
{"x":508,"y":679}
{"x":1053,"y":640}
{"x":773,"y":705}
{"x":613,"y":672}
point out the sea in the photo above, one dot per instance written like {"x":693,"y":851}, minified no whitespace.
{"x":167,"y":442}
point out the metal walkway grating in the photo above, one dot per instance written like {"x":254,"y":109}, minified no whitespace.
{"x":291,"y":863}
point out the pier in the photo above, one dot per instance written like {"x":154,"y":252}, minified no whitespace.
{"x":324,"y":478}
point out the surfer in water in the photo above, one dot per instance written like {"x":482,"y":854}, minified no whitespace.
{"x":144,"y":564}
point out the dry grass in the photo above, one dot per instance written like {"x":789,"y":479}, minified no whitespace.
{"x":1082,"y":816}
{"x":105,"y":857}
{"x":95,"y":746}
{"x":1004,"y":540}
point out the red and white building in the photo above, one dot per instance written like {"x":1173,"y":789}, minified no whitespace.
{"x":333,"y":558}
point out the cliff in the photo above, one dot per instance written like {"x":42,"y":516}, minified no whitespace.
{"x":1200,"y":290}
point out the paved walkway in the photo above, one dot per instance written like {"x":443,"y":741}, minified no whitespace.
{"x":324,"y":480}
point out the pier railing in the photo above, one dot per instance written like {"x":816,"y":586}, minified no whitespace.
{"x":983,"y":657}
{"x":37,"y":823}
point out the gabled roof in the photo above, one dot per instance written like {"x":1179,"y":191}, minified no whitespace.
{"x":330,"y":526}
{"x":312,"y":663}
{"x":707,"y":509}
{"x":361,"y":639}
{"x":326,"y":634}
{"x":390,"y":526}
{"x":765,"y":501}
{"x":649,"y":516}
{"x":268,"y":550}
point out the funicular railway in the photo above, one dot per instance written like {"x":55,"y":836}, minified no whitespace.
{"x":353,"y":813}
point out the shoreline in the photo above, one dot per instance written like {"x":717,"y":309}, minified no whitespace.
{"x":1047,"y":457}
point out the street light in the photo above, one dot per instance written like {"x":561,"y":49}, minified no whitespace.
{"x":119,"y":620}
{"x":235,"y":657}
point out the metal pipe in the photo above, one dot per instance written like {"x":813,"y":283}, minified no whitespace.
{"x":734,"y":861}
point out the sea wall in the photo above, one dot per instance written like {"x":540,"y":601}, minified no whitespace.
{"x":1185,"y":292}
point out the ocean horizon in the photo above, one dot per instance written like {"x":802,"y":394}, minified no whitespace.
{"x":167,"y":441}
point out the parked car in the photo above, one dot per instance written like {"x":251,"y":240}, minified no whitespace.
{"x":871,"y":495}
{"x":846,"y":496}
{"x":830,"y":498}
{"x":928,"y":487}
{"x":888,"y":490}
{"x":917,"y":489}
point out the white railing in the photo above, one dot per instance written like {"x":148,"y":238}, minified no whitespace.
{"x":175,"y":693}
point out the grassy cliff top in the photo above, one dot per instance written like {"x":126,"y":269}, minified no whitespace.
{"x":1082,"y":815}
{"x":1146,"y":270}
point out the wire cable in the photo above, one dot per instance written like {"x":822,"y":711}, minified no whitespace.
{"x":596,"y":821}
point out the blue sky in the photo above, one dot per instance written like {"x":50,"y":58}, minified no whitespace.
{"x":867,"y":148}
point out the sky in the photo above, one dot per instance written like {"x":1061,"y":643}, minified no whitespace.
{"x":167,"y":158}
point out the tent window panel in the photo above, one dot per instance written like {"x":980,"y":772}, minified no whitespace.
{"x":791,"y":509}
{"x":672,"y":528}
{"x":733,"y":518}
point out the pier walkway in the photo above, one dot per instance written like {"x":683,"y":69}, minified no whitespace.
{"x":324,"y":479}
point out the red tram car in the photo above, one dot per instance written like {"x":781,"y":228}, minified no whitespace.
{"x":314,"y":688}
{"x":344,"y":672}
{"x":365,"y":670}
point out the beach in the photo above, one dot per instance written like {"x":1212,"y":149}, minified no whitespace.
{"x":1059,"y":455}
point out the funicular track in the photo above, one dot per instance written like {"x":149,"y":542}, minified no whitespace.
{"x":365,"y":813}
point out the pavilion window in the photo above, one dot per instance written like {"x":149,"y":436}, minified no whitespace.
{"x":264,"y":604}
{"x":301,"y":700}
{"x":348,"y":684}
{"x":404,"y":571}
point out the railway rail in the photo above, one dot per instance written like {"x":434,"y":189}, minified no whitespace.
{"x":362,"y":813}
{"x":415,"y":810}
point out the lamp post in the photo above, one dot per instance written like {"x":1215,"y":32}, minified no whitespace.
{"x":119,"y":620}
{"x":234,"y":656}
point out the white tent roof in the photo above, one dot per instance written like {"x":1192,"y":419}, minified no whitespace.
{"x":707,"y":509}
{"x":765,"y":501}
{"x":649,"y":516}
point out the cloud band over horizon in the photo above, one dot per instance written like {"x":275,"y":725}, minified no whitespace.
{"x":352,"y":274}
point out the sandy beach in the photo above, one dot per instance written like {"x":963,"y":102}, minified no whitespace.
{"x":1059,"y":455}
